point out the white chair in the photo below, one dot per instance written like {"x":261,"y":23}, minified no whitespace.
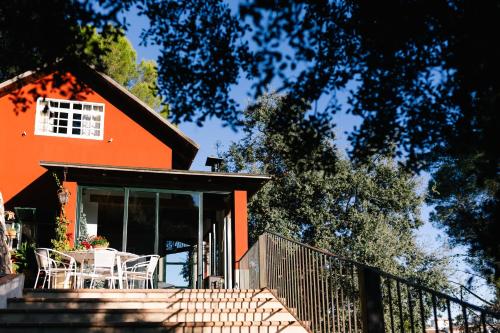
{"x":140,"y":269}
{"x":43,"y":262}
{"x":103,"y":268}
{"x":52,"y":263}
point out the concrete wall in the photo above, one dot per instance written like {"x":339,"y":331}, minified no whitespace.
{"x":11,"y":286}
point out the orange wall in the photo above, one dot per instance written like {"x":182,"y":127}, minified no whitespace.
{"x":70,"y":209}
{"x":132,"y":145}
{"x":240,"y":222}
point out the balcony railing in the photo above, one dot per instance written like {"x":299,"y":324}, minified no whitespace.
{"x":332,"y":294}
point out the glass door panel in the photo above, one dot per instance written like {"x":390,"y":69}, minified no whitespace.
{"x":102,"y":210}
{"x":141,"y":222}
{"x":178,"y":239}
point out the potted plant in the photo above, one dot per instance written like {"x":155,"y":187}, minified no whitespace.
{"x":24,"y":261}
{"x":99,"y":242}
{"x":11,"y":232}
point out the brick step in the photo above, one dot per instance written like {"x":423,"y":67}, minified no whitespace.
{"x":146,"y":293}
{"x":127,"y":303}
{"x":133,"y":315}
{"x":149,"y":327}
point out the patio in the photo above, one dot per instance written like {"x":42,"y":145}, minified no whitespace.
{"x":103,"y":267}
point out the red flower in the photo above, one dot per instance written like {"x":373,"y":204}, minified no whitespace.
{"x":86,"y":244}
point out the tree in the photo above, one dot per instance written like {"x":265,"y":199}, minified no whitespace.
{"x":120,"y":63}
{"x":367,"y":213}
{"x":36,"y":33}
{"x":465,"y":208}
{"x":423,"y":76}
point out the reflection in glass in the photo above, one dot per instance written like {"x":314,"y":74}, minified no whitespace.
{"x":141,"y":222}
{"x":103,"y":211}
{"x":178,"y":238}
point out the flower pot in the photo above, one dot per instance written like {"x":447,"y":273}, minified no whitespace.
{"x":101,"y":246}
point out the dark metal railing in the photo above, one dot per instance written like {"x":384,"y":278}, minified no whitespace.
{"x":332,"y":294}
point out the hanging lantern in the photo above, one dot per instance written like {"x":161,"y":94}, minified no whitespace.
{"x":63,"y":195}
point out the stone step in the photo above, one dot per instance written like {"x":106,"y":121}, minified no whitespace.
{"x":127,"y":303}
{"x":146,"y":293}
{"x":133,"y":315}
{"x":147,"y":327}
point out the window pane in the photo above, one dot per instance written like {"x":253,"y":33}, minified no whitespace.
{"x":103,"y":210}
{"x":54,"y":121}
{"x":178,"y":238}
{"x":141,"y":222}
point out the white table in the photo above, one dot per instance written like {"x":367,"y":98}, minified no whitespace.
{"x":87,"y":256}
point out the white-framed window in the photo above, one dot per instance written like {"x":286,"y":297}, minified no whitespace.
{"x":73,"y":119}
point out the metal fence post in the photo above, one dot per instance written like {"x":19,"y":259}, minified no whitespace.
{"x":262,"y":261}
{"x":372,"y":307}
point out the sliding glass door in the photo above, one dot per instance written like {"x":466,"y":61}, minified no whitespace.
{"x":178,"y":237}
{"x":141,"y":224}
{"x":144,"y":221}
{"x":101,"y":212}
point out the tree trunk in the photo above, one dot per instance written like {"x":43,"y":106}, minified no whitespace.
{"x":4,"y":249}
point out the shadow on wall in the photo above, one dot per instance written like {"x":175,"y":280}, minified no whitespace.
{"x":42,"y":195}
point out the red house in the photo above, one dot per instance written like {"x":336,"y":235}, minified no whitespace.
{"x":127,"y":169}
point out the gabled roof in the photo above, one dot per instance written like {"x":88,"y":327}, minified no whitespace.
{"x":184,"y":149}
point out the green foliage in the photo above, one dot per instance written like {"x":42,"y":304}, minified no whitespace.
{"x":99,"y":241}
{"x":37,"y":33}
{"x":465,"y":207}
{"x":145,"y":86}
{"x":120,"y":60}
{"x":368,"y":213}
{"x":61,"y":241}
{"x":120,"y":63}
{"x":23,"y":258}
{"x":187,"y":268}
{"x":423,"y":76}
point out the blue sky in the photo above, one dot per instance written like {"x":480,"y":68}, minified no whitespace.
{"x":431,"y":238}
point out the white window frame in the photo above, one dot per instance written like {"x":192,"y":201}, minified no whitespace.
{"x":42,"y":121}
